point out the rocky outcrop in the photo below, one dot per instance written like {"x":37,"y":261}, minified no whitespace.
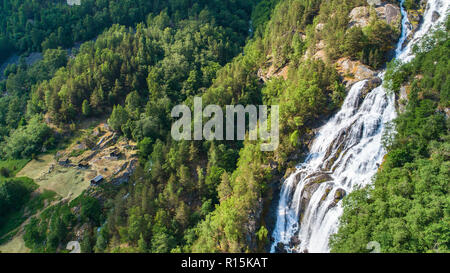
{"x":390,"y":13}
{"x":123,"y":173}
{"x":353,"y":71}
{"x":325,"y":195}
{"x":339,"y":194}
{"x":320,"y":53}
{"x":264,"y":74}
{"x":447,"y":112}
{"x":374,"y":2}
{"x":253,"y":224}
{"x":319,"y":177}
{"x":280,"y":248}
{"x":415,"y":18}
{"x":359,"y":16}
{"x":402,"y":99}
{"x":370,"y":85}
{"x":435,"y":16}
{"x":307,"y":193}
{"x":295,"y":241}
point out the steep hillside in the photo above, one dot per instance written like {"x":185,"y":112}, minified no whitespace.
{"x":407,"y":209}
{"x":308,"y":87}
{"x":92,"y":126}
{"x":147,"y":69}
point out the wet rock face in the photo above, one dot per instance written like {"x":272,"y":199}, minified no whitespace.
{"x":325,"y":195}
{"x":307,"y":193}
{"x":415,"y":18}
{"x":298,"y":177}
{"x":339,"y":194}
{"x":337,"y":147}
{"x":280,"y":248}
{"x":319,"y":178}
{"x":435,"y":16}
{"x":289,"y":172}
{"x":370,"y":85}
{"x":295,"y":241}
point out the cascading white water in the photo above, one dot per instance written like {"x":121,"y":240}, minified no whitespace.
{"x":345,"y":154}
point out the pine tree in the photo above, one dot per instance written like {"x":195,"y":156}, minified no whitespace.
{"x":86,"y":108}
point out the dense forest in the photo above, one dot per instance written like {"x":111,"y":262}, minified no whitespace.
{"x":28,"y":26}
{"x":138,"y":59}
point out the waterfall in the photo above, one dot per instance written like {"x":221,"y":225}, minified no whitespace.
{"x":346,"y":153}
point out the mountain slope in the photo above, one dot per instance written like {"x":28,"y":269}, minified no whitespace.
{"x":407,"y":209}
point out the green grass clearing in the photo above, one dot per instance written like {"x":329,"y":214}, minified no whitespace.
{"x":10,"y":167}
{"x":37,"y":167}
{"x":66,"y":182}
